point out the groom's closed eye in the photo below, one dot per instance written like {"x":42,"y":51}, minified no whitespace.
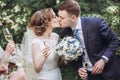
{"x":61,"y":17}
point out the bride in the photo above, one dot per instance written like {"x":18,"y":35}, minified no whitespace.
{"x":44,"y":57}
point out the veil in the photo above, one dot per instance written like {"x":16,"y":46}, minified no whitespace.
{"x":27,"y":54}
{"x":1,"y":52}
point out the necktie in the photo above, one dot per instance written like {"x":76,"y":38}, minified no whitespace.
{"x":86,"y":62}
{"x":76,"y":34}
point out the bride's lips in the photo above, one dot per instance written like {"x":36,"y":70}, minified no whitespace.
{"x":60,"y":24}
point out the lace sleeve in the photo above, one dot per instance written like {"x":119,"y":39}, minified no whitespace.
{"x":40,"y":42}
{"x":36,"y":41}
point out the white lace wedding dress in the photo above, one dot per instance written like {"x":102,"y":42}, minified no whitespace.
{"x":27,"y":54}
{"x":50,"y":69}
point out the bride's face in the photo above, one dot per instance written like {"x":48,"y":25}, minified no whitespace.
{"x":54,"y":21}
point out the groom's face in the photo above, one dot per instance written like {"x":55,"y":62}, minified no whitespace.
{"x":65,"y":19}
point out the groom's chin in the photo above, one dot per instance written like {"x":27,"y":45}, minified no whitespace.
{"x":61,"y":26}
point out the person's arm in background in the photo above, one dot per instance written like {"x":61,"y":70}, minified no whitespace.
{"x":9,"y":49}
{"x":19,"y":74}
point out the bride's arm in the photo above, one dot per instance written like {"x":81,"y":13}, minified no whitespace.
{"x":39,"y":56}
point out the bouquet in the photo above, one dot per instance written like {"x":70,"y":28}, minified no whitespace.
{"x":70,"y":48}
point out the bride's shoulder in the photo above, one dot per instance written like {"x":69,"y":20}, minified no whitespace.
{"x":29,"y":34}
{"x":55,"y":35}
{"x":36,"y":40}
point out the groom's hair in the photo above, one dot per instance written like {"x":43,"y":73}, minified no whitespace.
{"x":71,"y":6}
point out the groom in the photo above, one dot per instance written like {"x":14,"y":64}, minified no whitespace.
{"x":99,"y":61}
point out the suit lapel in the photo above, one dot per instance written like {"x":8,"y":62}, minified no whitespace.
{"x":85,"y":33}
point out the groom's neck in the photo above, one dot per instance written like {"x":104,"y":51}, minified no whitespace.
{"x":74,"y":24}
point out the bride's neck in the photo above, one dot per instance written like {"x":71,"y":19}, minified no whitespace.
{"x":47,"y":34}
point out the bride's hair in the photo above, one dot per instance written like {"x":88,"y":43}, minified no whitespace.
{"x":40,"y":19}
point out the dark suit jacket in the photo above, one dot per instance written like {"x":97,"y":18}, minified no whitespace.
{"x":99,"y":40}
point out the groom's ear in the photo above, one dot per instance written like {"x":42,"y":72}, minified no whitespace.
{"x":73,"y":18}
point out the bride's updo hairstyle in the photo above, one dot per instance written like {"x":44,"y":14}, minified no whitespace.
{"x":40,"y":19}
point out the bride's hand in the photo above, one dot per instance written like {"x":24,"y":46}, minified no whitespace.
{"x":46,"y":52}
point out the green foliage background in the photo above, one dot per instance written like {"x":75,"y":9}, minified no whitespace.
{"x":15,"y":15}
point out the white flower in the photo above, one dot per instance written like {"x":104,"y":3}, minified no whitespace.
{"x":17,"y":8}
{"x":112,"y":9}
{"x":2,"y":4}
{"x":70,"y":48}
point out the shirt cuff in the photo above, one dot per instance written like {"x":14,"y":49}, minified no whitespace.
{"x":106,"y":59}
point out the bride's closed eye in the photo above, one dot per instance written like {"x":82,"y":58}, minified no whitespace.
{"x":55,"y":17}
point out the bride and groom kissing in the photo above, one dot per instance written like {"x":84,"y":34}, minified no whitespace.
{"x":99,"y":40}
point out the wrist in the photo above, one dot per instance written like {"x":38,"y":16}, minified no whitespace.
{"x":7,"y":53}
{"x":104,"y":59}
{"x":44,"y":56}
{"x":5,"y":56}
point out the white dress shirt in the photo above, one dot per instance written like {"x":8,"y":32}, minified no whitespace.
{"x":86,"y":62}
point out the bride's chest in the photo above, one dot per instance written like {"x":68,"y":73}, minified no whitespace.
{"x":52,"y":45}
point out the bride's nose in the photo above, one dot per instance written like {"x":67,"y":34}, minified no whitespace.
{"x":58,"y":18}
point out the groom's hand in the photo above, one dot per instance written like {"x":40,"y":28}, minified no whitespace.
{"x":98,"y":67}
{"x":82,"y":73}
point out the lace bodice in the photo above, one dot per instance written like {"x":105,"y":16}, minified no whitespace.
{"x":52,"y":60}
{"x":50,"y":69}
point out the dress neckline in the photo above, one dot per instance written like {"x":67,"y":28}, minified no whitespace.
{"x":46,"y":39}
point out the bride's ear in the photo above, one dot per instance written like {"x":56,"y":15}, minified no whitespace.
{"x":48,"y":24}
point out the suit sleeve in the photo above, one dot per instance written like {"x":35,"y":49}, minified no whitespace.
{"x":110,"y":37}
